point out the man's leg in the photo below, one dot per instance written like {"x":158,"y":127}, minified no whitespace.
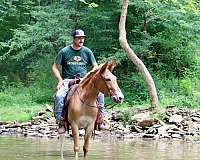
{"x":59,"y":104}
{"x":101,"y":106}
{"x":100,"y":102}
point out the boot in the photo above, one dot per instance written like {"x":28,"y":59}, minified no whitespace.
{"x":61,"y":126}
{"x":103,"y":123}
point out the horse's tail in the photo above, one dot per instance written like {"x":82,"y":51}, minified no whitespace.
{"x":65,"y":114}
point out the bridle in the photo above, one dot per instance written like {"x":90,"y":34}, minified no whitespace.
{"x":94,"y":87}
{"x":105,"y":82}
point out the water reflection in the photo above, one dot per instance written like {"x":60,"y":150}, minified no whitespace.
{"x":18,"y":148}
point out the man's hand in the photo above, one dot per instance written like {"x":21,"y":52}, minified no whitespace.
{"x":59,"y":85}
{"x":56,"y":72}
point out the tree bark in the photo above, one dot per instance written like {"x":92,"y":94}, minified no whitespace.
{"x":142,"y":68}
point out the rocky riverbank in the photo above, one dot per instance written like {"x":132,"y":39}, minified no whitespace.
{"x":171,"y":123}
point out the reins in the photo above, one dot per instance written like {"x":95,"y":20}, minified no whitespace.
{"x":84,"y":102}
{"x":90,"y":105}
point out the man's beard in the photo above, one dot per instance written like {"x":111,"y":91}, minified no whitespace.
{"x":80,"y":44}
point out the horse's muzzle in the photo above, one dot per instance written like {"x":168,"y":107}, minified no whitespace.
{"x":117,"y":97}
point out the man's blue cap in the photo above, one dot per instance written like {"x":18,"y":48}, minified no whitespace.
{"x":78,"y":33}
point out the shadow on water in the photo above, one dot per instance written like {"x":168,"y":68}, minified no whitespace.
{"x":19,"y":148}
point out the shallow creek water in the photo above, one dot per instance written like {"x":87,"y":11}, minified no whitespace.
{"x":20,"y":148}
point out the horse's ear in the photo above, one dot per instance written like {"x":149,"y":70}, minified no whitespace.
{"x":103,"y":68}
{"x":112,"y":65}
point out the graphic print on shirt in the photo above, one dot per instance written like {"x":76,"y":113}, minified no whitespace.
{"x":76,"y":60}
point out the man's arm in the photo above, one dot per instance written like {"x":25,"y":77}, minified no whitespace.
{"x":95,"y":65}
{"x":56,"y":72}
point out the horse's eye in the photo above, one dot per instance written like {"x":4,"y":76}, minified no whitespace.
{"x":107,"y":79}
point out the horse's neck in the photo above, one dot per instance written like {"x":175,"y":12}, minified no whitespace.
{"x":89,"y":92}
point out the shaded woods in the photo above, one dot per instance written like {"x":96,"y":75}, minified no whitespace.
{"x":164,"y":35}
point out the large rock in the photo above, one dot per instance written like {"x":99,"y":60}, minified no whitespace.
{"x":177,"y":119}
{"x":147,"y":123}
{"x":141,"y":117}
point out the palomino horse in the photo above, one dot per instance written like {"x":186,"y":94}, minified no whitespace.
{"x":82,"y":108}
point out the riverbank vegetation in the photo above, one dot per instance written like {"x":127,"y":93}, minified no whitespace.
{"x":164,"y":35}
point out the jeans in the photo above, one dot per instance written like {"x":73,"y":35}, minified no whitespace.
{"x":60,"y":96}
{"x":100,"y":104}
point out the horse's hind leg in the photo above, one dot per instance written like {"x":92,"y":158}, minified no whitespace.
{"x":88,"y":133}
{"x":75,"y":134}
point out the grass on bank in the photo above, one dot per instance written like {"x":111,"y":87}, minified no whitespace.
{"x":20,"y":113}
{"x":21,"y":103}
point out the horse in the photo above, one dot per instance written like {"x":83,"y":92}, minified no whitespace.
{"x":82,"y":108}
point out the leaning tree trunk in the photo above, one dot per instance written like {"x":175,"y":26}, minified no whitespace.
{"x":124,"y":44}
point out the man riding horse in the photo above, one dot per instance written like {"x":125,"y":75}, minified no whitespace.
{"x":74,"y":60}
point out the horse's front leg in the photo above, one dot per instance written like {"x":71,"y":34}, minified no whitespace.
{"x":88,"y":133}
{"x":75,"y":134}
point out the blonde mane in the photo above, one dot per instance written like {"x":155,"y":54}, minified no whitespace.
{"x":90,"y":74}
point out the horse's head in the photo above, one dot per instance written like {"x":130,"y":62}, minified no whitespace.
{"x":108,"y":82}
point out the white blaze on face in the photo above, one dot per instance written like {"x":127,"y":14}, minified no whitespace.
{"x":85,"y":121}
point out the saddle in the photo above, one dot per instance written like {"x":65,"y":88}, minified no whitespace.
{"x":74,"y":81}
{"x":73,"y":85}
